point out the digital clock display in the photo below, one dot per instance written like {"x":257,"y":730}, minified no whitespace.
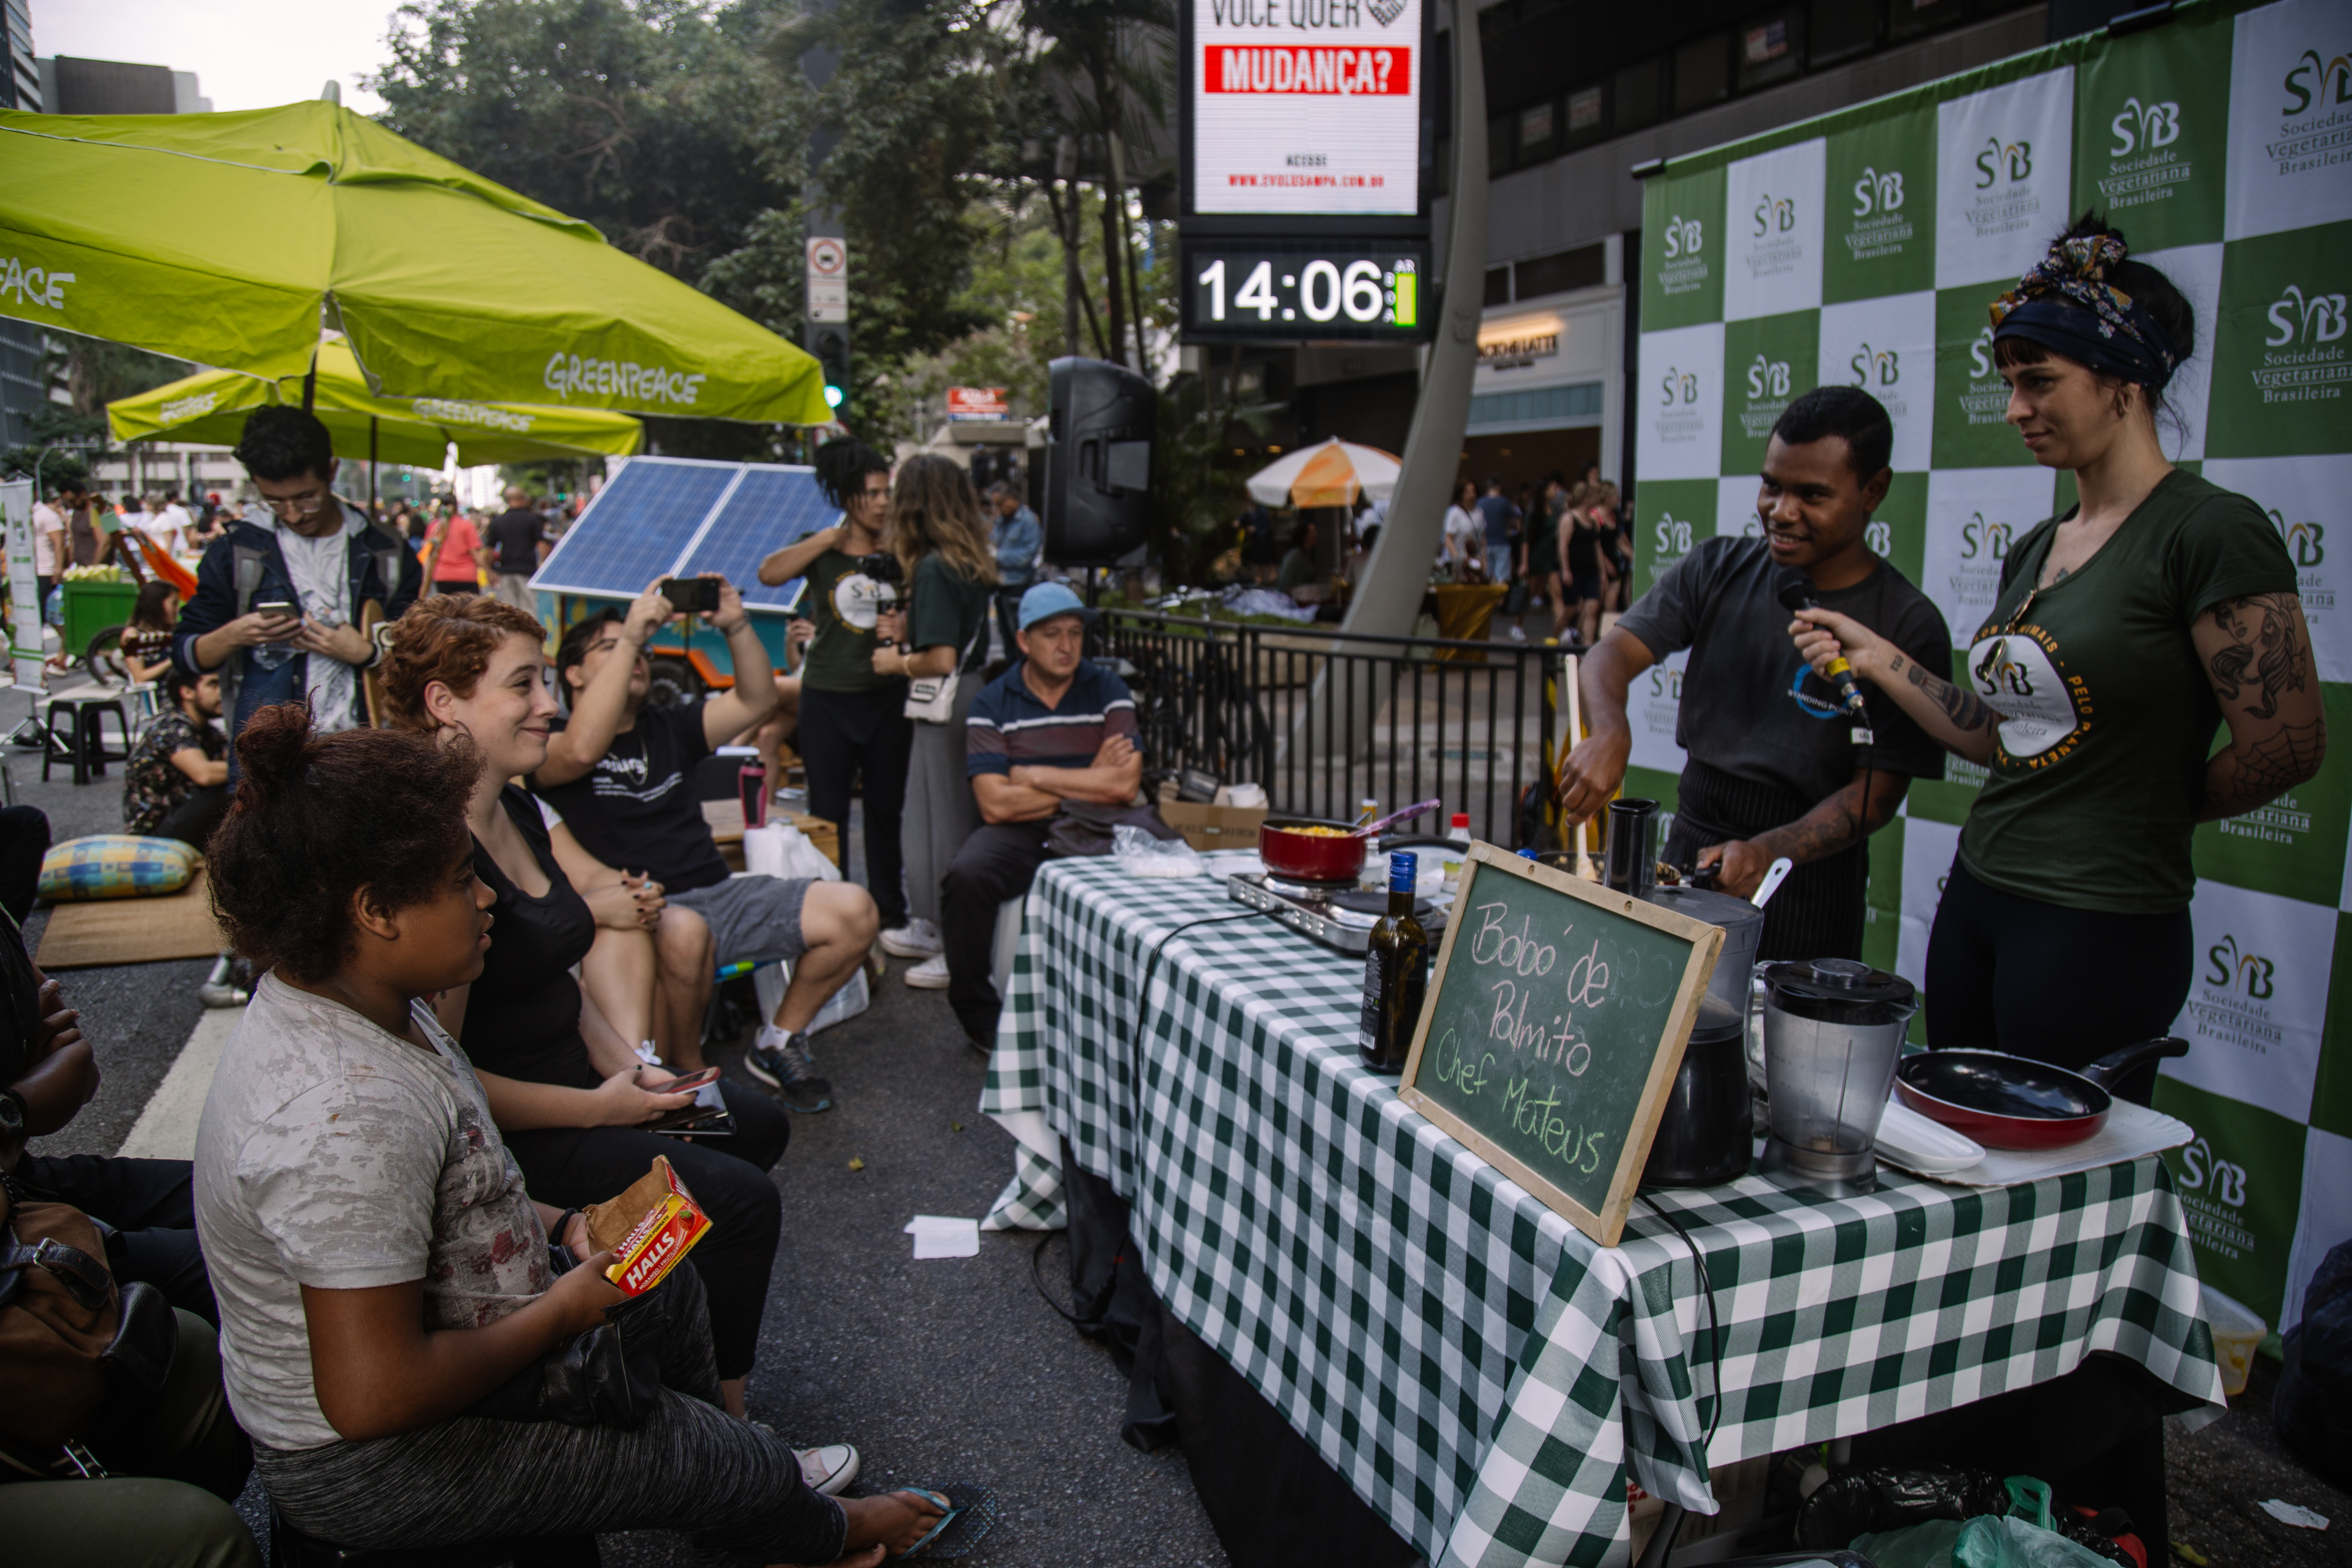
{"x":1265,"y":292}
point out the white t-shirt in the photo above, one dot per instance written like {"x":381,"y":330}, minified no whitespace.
{"x":47,"y":519}
{"x":1464,"y":526}
{"x":335,"y":1155}
{"x":320,"y":569}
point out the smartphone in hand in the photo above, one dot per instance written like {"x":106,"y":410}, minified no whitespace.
{"x":692,"y":595}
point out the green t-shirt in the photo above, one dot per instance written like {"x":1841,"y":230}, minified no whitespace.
{"x":949,"y":610}
{"x":2100,"y":762}
{"x":843,"y":602}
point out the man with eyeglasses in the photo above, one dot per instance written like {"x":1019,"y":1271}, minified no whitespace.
{"x":281,"y":594}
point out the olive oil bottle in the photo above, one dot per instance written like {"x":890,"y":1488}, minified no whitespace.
{"x":1396,"y":972}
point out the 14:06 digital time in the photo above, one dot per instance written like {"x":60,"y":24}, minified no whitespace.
{"x":1362,"y":292}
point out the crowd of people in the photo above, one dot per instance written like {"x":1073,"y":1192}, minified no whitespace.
{"x":487,"y":927}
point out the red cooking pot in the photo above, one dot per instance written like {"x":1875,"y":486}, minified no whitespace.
{"x":1309,"y":857}
{"x":2015,"y":1102}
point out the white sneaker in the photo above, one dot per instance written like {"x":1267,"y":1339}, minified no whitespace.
{"x":931,"y":975}
{"x":829,"y":1469}
{"x":916,"y":939}
{"x":1517,"y":635}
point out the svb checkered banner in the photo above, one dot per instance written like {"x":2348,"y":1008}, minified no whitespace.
{"x":1862,"y":249}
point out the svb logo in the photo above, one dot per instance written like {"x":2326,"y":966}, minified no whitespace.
{"x":1685,"y":236}
{"x":2203,"y":1170}
{"x":1767,"y":377}
{"x":1773,"y":215}
{"x":1674,"y":535}
{"x":2139,"y":125}
{"x":1876,"y":367}
{"x":2309,"y":81}
{"x":1677,"y":386}
{"x":1875,"y":191}
{"x":1998,"y":673}
{"x":1990,"y":539}
{"x":2304,"y":540}
{"x":2011,"y":161}
{"x":2245,"y":974}
{"x":1879,"y":536}
{"x":2314,"y":319}
{"x":1980,"y":355}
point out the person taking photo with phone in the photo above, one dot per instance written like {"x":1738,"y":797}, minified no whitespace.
{"x":855,"y":733}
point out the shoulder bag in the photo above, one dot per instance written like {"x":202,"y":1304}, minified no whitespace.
{"x":932,"y":698}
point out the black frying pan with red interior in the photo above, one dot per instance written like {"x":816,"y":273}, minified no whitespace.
{"x":2015,"y":1102}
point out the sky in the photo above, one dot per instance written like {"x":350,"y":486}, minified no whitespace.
{"x":247,"y":54}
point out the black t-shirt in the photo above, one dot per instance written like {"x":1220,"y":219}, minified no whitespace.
{"x":522,"y":1015}
{"x":1737,"y":713}
{"x":949,"y":610}
{"x":637,"y":810}
{"x":513,"y":537}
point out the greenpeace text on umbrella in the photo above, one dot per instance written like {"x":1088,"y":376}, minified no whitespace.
{"x":570,"y":376}
{"x":34,"y":286}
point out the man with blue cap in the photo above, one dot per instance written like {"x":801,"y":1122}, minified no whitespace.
{"x":1053,"y":728}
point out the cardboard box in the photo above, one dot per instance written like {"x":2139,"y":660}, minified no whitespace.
{"x":661,"y":1236}
{"x":1214,"y":827}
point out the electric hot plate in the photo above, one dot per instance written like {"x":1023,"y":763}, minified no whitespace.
{"x":1339,"y":915}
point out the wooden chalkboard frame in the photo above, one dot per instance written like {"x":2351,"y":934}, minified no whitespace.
{"x":1707,"y":945}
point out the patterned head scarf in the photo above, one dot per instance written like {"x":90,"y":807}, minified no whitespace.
{"x":2066,"y":304}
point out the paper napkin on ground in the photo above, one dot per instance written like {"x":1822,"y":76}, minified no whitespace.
{"x":940,"y":1235}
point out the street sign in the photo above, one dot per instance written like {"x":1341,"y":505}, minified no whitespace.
{"x":978,"y":403}
{"x":1305,"y":108}
{"x":828,"y":279}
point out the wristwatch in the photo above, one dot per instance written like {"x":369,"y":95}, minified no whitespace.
{"x":11,"y":1113}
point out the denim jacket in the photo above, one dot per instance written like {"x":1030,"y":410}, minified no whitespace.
{"x":245,"y":567}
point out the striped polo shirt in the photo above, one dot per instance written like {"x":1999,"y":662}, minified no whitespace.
{"x":1008,"y":726}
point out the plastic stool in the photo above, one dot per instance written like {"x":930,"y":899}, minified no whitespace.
{"x":84,"y":735}
{"x":290,"y":1548}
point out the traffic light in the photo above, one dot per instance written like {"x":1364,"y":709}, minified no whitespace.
{"x":830,"y":343}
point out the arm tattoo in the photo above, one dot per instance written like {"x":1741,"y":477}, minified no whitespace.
{"x":2264,"y":650}
{"x":2267,"y":654}
{"x":1843,"y":819}
{"x":1965,"y":709}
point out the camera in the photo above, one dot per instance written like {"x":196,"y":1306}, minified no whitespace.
{"x":883,"y":570}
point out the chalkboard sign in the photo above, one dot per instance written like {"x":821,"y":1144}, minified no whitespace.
{"x":1555,"y":1024}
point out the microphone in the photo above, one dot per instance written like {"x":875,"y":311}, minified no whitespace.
{"x":1795,"y":592}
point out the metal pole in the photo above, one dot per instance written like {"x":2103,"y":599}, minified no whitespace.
{"x":1387,"y":601}
{"x":371,"y":467}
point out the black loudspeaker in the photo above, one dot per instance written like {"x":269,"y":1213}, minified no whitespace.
{"x":1098,"y":462}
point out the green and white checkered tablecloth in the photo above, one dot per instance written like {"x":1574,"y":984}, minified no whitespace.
{"x":1480,"y":1371}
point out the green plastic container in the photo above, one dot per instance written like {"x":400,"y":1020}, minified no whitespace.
{"x":91,"y":608}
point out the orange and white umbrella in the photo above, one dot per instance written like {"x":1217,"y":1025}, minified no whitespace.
{"x":1333,"y":474}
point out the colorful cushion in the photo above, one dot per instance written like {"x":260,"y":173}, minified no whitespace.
{"x":116,"y":865}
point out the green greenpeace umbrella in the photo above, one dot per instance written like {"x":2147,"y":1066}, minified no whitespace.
{"x":211,"y":406}
{"x":231,"y":240}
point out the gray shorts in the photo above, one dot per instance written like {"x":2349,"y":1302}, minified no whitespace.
{"x":754,"y":919}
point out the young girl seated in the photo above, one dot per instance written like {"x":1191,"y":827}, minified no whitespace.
{"x":379,"y":1267}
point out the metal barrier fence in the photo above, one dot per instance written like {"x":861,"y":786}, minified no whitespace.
{"x":1325,"y":719}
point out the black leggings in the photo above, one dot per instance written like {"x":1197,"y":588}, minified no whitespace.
{"x":24,"y":842}
{"x":573,"y":1167}
{"x":2011,"y":973}
{"x":863,"y":737}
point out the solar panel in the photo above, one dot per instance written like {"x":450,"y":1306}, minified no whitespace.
{"x":769,"y":510}
{"x":637,"y":528}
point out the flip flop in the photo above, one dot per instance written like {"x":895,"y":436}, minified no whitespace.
{"x":968,"y":1514}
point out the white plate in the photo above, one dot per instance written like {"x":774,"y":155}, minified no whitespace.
{"x":1924,"y":1144}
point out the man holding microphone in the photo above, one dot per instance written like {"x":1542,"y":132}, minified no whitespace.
{"x":1779,"y":762}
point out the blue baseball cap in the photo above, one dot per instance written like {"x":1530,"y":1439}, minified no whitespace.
{"x":1047,"y":600}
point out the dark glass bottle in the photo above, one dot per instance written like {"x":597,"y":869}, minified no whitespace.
{"x":1396,"y":972}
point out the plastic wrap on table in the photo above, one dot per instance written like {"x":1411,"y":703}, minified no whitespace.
{"x":1888,"y":1498}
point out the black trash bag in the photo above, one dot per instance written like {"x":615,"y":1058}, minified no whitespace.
{"x":1887,"y":1497}
{"x":2312,"y":1406}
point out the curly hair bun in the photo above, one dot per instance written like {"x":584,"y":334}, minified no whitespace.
{"x":842,"y":466}
{"x":273,"y":749}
